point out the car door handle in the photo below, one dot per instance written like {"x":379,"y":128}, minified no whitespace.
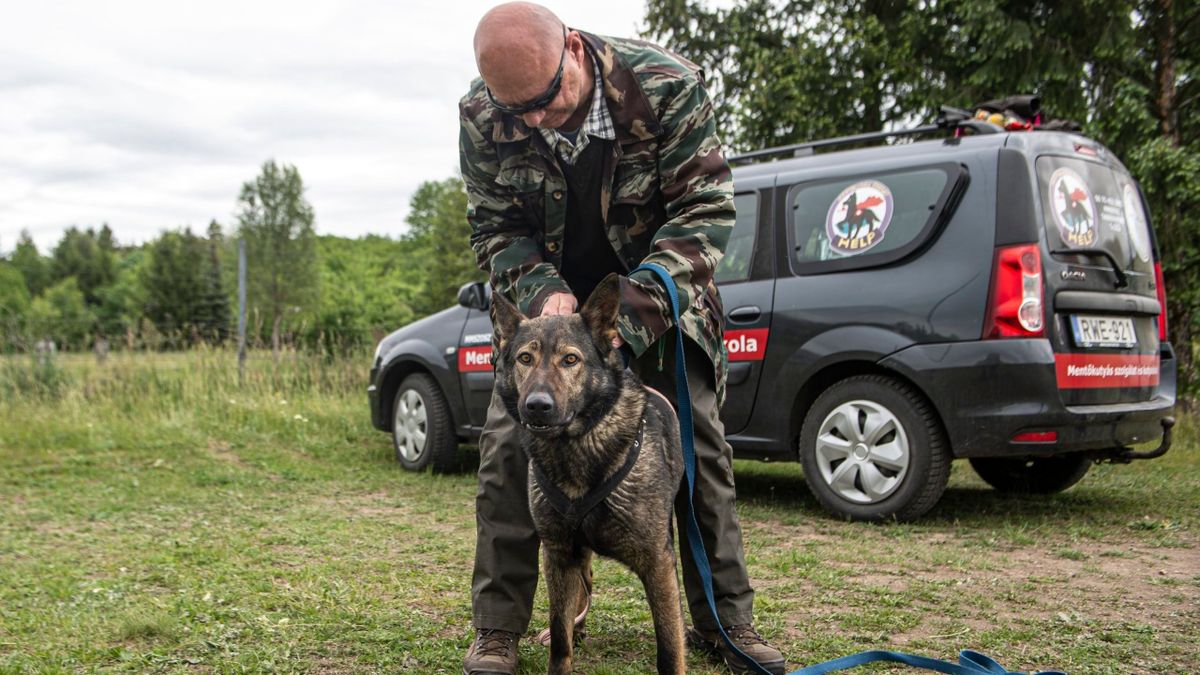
{"x":739,"y":372}
{"x":745,"y":314}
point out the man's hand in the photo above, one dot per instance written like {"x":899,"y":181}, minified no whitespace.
{"x":565,"y":303}
{"x":559,"y":303}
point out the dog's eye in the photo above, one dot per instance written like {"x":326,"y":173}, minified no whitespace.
{"x":570,"y":359}
{"x":525,"y":357}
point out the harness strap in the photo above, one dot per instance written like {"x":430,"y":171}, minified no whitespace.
{"x":970,"y":663}
{"x":574,"y":510}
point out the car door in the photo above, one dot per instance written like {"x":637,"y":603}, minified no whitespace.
{"x":747,"y":282}
{"x":475,"y":365}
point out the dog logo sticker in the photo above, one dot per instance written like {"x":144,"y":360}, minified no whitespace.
{"x":1074,"y":210}
{"x":858,"y":218}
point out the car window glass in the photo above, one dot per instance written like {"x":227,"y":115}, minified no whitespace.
{"x":735,"y":266}
{"x":864,"y":215}
{"x":1088,"y":205}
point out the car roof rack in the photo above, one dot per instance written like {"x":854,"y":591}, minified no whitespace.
{"x":948,"y":119}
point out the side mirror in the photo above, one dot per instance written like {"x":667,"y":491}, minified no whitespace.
{"x":475,"y":295}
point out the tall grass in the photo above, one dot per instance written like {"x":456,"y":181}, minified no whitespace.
{"x":31,"y":375}
{"x":145,"y":401}
{"x":199,"y":375}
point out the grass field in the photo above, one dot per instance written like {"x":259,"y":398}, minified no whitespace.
{"x":156,"y":517}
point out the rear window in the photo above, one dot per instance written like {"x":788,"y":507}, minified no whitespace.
{"x":1091,"y":205}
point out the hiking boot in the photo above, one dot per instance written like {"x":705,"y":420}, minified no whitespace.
{"x":494,"y":652}
{"x":746,"y":639}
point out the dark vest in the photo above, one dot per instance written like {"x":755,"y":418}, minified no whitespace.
{"x":588,"y":256}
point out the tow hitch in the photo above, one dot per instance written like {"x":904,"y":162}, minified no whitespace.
{"x":1125,"y":455}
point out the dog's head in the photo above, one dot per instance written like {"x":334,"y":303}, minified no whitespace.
{"x":558,"y":375}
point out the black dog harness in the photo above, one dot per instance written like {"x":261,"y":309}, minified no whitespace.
{"x":574,"y":510}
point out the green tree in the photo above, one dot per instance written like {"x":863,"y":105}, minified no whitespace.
{"x":276,"y":222}
{"x":174,"y":282}
{"x":14,"y":305}
{"x":87,"y":256}
{"x":123,"y":302}
{"x":369,"y":287}
{"x":783,"y":72}
{"x":795,"y":70}
{"x":214,"y":311}
{"x":14,"y":296}
{"x":438,"y":226}
{"x":61,"y":313}
{"x":33,"y":267}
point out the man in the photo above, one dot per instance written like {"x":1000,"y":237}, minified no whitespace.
{"x":583,"y":156}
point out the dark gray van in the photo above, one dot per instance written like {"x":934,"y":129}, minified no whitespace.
{"x":993,"y":296}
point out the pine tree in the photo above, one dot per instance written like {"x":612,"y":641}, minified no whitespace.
{"x":87,"y":256}
{"x":175,"y":282}
{"x":215,"y":314}
{"x":32,"y":265}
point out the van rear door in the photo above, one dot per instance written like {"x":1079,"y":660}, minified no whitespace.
{"x":1103,"y":309}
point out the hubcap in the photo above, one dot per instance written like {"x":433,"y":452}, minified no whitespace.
{"x":409,"y":425}
{"x":862,"y":452}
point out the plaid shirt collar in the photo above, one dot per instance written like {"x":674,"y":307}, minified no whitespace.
{"x":598,"y":123}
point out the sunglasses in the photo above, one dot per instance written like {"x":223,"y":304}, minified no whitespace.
{"x":543,"y":99}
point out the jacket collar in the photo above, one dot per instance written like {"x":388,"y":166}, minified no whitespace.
{"x":633,"y":118}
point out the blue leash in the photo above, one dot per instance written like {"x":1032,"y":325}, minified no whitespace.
{"x":969,"y":662}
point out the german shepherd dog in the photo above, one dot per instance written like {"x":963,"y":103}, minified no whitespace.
{"x":604,"y":462}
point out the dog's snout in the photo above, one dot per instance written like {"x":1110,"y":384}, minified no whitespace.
{"x":539,"y":403}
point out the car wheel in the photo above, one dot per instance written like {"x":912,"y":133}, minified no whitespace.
{"x":872,"y":448}
{"x":422,"y":431}
{"x":1032,"y":476}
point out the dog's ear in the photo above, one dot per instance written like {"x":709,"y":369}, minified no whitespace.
{"x":600,"y":311}
{"x":505,"y":318}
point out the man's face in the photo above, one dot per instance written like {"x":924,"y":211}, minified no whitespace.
{"x":516,"y":91}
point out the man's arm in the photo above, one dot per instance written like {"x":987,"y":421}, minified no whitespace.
{"x":697,"y":188}
{"x":501,"y":232}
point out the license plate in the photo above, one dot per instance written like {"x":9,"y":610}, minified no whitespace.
{"x":1103,"y":331}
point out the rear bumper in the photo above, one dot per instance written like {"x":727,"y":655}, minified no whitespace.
{"x":987,"y":392}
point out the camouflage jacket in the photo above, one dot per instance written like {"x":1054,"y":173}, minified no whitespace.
{"x":666,"y":196}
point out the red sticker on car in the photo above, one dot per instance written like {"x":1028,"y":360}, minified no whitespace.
{"x":474,"y":359}
{"x":748,"y":344}
{"x":1095,"y":371}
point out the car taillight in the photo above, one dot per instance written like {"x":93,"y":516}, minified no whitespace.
{"x":1015,"y":305}
{"x":1162,"y":302}
{"x":1036,"y":437}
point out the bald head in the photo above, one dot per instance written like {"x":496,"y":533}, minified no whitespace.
{"x":517,"y":48}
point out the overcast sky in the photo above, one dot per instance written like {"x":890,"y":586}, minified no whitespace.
{"x":150,"y":115}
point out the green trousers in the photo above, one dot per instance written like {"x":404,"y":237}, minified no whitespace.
{"x":506,"y":548}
